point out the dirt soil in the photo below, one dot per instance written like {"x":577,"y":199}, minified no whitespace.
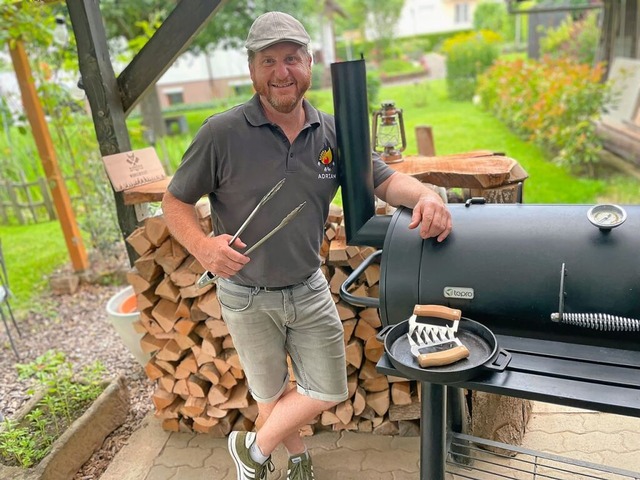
{"x":76,"y":324}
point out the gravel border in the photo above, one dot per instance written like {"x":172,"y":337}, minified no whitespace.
{"x":78,"y":325}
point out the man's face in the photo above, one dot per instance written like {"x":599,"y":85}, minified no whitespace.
{"x":281,"y":75}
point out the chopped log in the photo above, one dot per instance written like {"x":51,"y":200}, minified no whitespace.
{"x":184,"y":308}
{"x":401,"y":393}
{"x":170,"y":352}
{"x":185,"y":326}
{"x":238,"y":373}
{"x":216,"y":412}
{"x":193,"y":291}
{"x":162,"y":399}
{"x":352,"y":384}
{"x":233,"y":359}
{"x":359,"y":401}
{"x":201,"y":358}
{"x":138,"y":327}
{"x":211,"y":346}
{"x":329,"y":417}
{"x":345,"y":311}
{"x":169,"y":367}
{"x":171,"y":411}
{"x":210,"y":372}
{"x":228,"y":380}
{"x":149,"y":343}
{"x":166,"y":382}
{"x":222,"y":366}
{"x":365,"y":426}
{"x":146,"y":299}
{"x":194,"y":407}
{"x":373,"y":349}
{"x":239,"y":398}
{"x":152,"y":371}
{"x":147,"y":267}
{"x":355,"y":260}
{"x":204,"y":424}
{"x":181,"y":388}
{"x":368,"y":370}
{"x":349,"y":327}
{"x":194,"y":265}
{"x":138,"y":282}
{"x":223,"y":428}
{"x":165,"y":314}
{"x":344,"y":411}
{"x":155,"y":229}
{"x":227,"y":342}
{"x":170,"y":255}
{"x":217,"y":327}
{"x":171,"y":425}
{"x":410,"y":411}
{"x":386,"y":428}
{"x":217,"y":395}
{"x":354,"y":354}
{"x":353,"y":425}
{"x":209,"y":304}
{"x":198,"y":387}
{"x":370,"y":315}
{"x":379,"y":401}
{"x":364,"y":331}
{"x":187,"y":366}
{"x":139,"y":241}
{"x":338,"y":278}
{"x":338,"y":251}
{"x":167,"y":290}
{"x":408,"y":428}
{"x":376,"y":384}
{"x":183,"y":276}
{"x":372,"y":274}
{"x":185,"y":342}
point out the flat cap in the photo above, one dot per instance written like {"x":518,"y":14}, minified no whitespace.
{"x":275,"y":27}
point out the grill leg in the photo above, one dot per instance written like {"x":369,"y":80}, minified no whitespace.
{"x":433,"y":448}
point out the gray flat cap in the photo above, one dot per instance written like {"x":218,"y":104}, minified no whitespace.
{"x":275,"y":27}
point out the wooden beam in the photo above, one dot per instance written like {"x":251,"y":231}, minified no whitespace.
{"x":42,"y":137}
{"x":168,"y":42}
{"x":99,"y":83}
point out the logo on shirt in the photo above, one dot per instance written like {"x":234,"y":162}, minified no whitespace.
{"x":326,"y":163}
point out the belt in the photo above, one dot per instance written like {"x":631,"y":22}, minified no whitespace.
{"x":270,"y":289}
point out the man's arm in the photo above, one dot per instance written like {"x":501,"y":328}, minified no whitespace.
{"x":429,"y":210}
{"x":213,"y":253}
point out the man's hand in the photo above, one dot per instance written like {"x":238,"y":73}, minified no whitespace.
{"x":433,"y":216}
{"x":215,"y":254}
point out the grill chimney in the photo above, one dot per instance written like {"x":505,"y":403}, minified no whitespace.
{"x":351,"y":111}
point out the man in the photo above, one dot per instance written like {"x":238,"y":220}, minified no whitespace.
{"x":277,"y":301}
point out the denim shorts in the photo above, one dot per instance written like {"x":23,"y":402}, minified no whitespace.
{"x":301,"y":320}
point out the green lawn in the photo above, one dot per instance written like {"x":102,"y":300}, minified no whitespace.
{"x":33,"y":252}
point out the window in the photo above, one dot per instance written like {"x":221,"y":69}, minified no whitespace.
{"x":175,"y":97}
{"x":462,"y":13}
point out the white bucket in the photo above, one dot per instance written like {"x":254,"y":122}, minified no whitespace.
{"x":123,"y":324}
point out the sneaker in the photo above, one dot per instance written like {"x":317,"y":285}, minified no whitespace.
{"x":248,"y":469}
{"x":300,"y":467}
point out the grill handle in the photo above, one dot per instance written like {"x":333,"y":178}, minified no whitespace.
{"x":352,"y":299}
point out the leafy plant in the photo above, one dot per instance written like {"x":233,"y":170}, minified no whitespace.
{"x":26,"y":441}
{"x":468,"y":55}
{"x":551,"y":102}
{"x":576,"y":39}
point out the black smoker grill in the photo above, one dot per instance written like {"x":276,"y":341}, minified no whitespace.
{"x":512,"y":268}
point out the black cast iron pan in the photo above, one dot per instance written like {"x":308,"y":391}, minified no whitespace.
{"x":484,"y":353}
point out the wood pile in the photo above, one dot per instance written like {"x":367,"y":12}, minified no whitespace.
{"x":200,"y":384}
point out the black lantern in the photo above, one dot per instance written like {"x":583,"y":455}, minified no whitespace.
{"x":388,"y":136}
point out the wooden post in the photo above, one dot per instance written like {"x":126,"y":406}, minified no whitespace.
{"x":424,"y":138}
{"x":42,"y":137}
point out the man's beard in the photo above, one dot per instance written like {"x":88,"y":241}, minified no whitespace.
{"x":284,"y":104}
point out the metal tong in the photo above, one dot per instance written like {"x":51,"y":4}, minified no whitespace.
{"x":207,"y":277}
{"x":434,"y":343}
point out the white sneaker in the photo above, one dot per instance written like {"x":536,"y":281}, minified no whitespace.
{"x":247,"y":468}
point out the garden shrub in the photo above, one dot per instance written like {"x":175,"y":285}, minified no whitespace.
{"x":468,"y":55}
{"x":553,"y":102}
{"x":574,"y":39}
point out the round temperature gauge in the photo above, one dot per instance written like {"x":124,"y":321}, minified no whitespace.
{"x":606,"y":216}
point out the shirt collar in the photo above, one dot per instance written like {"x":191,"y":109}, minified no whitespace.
{"x":254,"y":113}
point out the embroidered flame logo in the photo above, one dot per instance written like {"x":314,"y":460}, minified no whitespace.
{"x":326,"y":156}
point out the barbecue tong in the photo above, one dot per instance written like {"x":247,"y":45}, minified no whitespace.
{"x":207,"y":277}
{"x":433,"y":341}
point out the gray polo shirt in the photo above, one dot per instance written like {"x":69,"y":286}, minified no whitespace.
{"x":236,"y":157}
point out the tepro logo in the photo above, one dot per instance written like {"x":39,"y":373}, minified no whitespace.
{"x":458,"y":292}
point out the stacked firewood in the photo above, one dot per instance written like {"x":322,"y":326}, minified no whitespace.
{"x":200,"y":384}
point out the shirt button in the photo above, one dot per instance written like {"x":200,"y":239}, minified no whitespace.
{"x":291,"y":155}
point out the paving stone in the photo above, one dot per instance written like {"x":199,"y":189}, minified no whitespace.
{"x":160,"y":472}
{"x":631,"y":441}
{"x":554,"y":423}
{"x":190,"y":473}
{"x":220,"y":458}
{"x":593,"y":442}
{"x":177,"y":457}
{"x":602,"y":422}
{"x":391,"y":460}
{"x":357,"y":441}
{"x":365,"y":474}
{"x":207,"y":441}
{"x":179,"y":439}
{"x":345,"y":458}
{"x":408,"y":444}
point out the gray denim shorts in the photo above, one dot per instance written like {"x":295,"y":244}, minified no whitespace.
{"x":302,"y":321}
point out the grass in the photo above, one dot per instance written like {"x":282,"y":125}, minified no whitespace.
{"x":33,"y":252}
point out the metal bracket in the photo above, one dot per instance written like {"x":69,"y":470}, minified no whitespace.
{"x":142,"y":211}
{"x":557,"y":317}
